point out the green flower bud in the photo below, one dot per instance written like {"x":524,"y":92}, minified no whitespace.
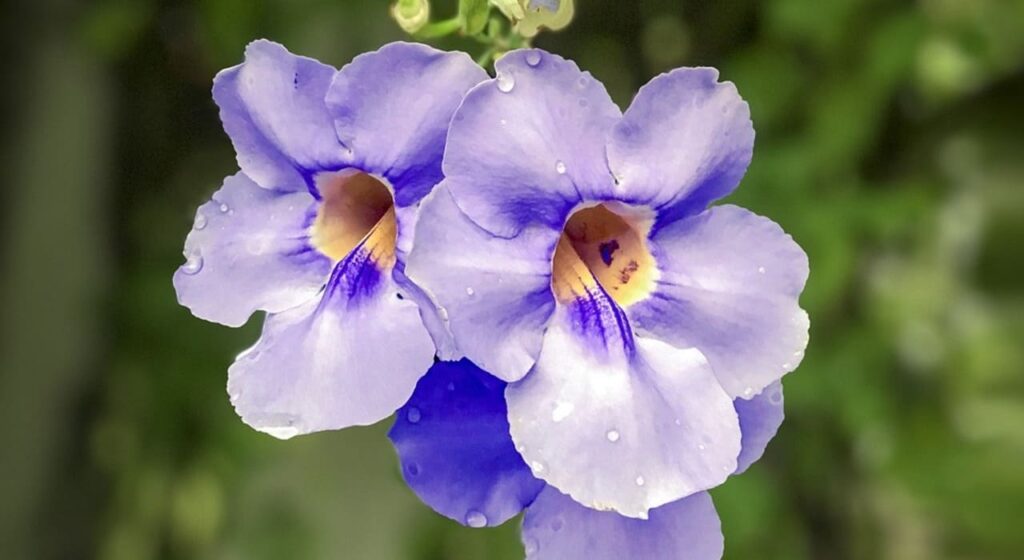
{"x":411,"y":15}
{"x":530,"y":15}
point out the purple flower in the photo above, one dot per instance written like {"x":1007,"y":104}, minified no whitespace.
{"x":315,"y":228}
{"x":457,"y":455}
{"x":575,"y":254}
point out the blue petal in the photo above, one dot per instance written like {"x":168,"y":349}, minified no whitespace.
{"x":557,"y":528}
{"x":456,"y":453}
{"x":729,"y":285}
{"x":496,"y":292}
{"x":350,"y":358}
{"x":760,"y":418}
{"x":272,"y":107}
{"x":249,"y":250}
{"x":685,"y":141}
{"x":528,"y":146}
{"x":621,"y":423}
{"x":392,"y":107}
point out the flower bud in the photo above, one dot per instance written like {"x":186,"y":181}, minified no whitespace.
{"x":411,"y":15}
{"x":530,"y":15}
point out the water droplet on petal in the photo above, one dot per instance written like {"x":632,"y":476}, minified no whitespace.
{"x":533,"y":58}
{"x":613,"y":436}
{"x":560,"y":167}
{"x":506,"y":82}
{"x":451,"y":386}
{"x":640,"y":481}
{"x":537,"y":466}
{"x":476,"y":519}
{"x":193,"y":264}
{"x":414,"y":415}
{"x":413,"y":469}
{"x":557,"y":524}
{"x":787,"y":366}
{"x":531,"y":546}
{"x":200,"y":221}
{"x":584,"y":102}
{"x":562,"y":411}
{"x":775,"y":398}
{"x":748,"y":391}
{"x":678,"y":422}
{"x":760,"y":269}
{"x":224,"y":208}
{"x":701,"y":446}
{"x":582,"y":83}
{"x":470,"y":291}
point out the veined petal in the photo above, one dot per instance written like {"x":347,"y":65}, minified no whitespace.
{"x":272,"y":107}
{"x":760,"y":418}
{"x":685,"y":141}
{"x":558,"y":528}
{"x":619,"y":423}
{"x":392,"y":107}
{"x":496,"y":292}
{"x":729,"y":284}
{"x":456,"y":452}
{"x":526,"y":147}
{"x":249,"y":250}
{"x":351,"y":358}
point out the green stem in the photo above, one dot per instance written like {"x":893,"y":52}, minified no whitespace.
{"x":439,"y":29}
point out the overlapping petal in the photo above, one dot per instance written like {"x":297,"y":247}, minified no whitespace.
{"x":558,"y":528}
{"x":685,"y":141}
{"x":392,"y":108}
{"x":272,"y":106}
{"x":760,"y":418}
{"x":729,"y":285}
{"x":249,"y":250}
{"x":351,"y":358}
{"x":456,"y":453}
{"x":526,"y":147}
{"x":621,"y":424}
{"x":496,"y":292}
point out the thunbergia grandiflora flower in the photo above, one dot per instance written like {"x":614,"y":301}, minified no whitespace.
{"x":315,"y":228}
{"x":457,"y":455}
{"x":576,"y":257}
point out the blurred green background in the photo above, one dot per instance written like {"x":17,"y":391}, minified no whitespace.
{"x":890,"y":144}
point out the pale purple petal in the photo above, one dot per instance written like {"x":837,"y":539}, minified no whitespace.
{"x":272,"y":107}
{"x":620,"y":423}
{"x":557,"y":528}
{"x":249,"y":250}
{"x":392,"y":107}
{"x":456,"y":453}
{"x":496,"y":292}
{"x":729,"y":285}
{"x":351,"y":358}
{"x":684,"y":142}
{"x":760,"y":418}
{"x":526,"y":147}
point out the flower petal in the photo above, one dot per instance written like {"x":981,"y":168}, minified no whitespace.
{"x":496,"y":292}
{"x":760,"y":418}
{"x":272,"y":107}
{"x":525,"y":147}
{"x":730,"y":284}
{"x":351,"y":358}
{"x":557,"y":528}
{"x":392,"y":107}
{"x":452,"y":438}
{"x":684,"y":142}
{"x":249,"y":250}
{"x":621,"y":424}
